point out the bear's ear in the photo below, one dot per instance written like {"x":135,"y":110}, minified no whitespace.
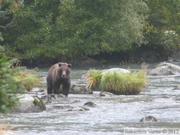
{"x":59,"y":64}
{"x":69,"y":65}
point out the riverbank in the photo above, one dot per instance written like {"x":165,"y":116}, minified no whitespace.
{"x":110,"y":114}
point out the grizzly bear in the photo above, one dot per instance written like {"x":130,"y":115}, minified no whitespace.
{"x":59,"y":74}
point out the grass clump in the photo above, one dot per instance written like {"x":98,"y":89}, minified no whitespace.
{"x":28,"y":79}
{"x":93,"y":79}
{"x":125,"y":84}
{"x":117,"y":83}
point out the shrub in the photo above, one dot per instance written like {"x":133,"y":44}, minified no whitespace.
{"x":12,"y":82}
{"x":8,"y":85}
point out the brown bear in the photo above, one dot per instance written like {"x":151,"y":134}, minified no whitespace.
{"x":59,"y":74}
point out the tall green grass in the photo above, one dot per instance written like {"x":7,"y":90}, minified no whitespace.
{"x":94,"y":78}
{"x":117,"y":83}
{"x":126,"y":84}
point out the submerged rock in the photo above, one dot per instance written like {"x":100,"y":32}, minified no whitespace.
{"x":90,"y":104}
{"x":167,"y":79}
{"x":79,"y":109}
{"x":28,"y":104}
{"x":79,"y":89}
{"x":105,"y":94}
{"x":164,"y":100}
{"x":37,"y":92}
{"x":165,"y":69}
{"x":176,"y":88}
{"x":148,"y":119}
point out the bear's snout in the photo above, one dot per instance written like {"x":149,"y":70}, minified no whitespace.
{"x":63,"y":74}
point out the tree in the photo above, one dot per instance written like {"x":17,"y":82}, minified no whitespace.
{"x":7,"y":7}
{"x":163,"y":25}
{"x":76,"y":27}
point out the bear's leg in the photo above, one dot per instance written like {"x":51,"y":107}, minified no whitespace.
{"x":50,"y":91}
{"x":66,"y":88}
{"x":56,"y":88}
{"x":49,"y":88}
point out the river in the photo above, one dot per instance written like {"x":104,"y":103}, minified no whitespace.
{"x":111,"y":115}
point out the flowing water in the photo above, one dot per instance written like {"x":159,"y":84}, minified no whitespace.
{"x":111,"y":115}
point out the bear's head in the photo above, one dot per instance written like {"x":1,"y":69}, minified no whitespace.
{"x":64,"y":70}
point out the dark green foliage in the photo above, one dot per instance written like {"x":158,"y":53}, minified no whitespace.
{"x":163,"y":25}
{"x":8,"y":85}
{"x":76,"y":27}
{"x":52,"y":28}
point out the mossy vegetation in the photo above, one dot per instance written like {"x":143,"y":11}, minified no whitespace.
{"x":28,"y":79}
{"x":117,"y":83}
{"x":38,"y":102}
{"x":12,"y":82}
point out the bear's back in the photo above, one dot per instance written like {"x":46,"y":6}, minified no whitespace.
{"x":52,"y":70}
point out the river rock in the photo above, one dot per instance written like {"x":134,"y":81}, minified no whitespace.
{"x":176,"y":88}
{"x":118,"y":70}
{"x":164,"y":100}
{"x":168,"y":79}
{"x":79,"y":109}
{"x":29,"y":104}
{"x":37,"y":92}
{"x":165,"y":69}
{"x":105,"y":94}
{"x":90,"y":104}
{"x":148,"y":119}
{"x":80,"y":89}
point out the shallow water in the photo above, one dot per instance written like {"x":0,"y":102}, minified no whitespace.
{"x":111,"y":115}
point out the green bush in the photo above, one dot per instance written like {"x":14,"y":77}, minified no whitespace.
{"x":13,"y":81}
{"x":9,"y":87}
{"x":117,"y":83}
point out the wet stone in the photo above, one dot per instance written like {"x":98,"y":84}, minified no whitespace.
{"x":63,"y":107}
{"x":148,"y":119}
{"x":90,"y":104}
{"x":78,"y":109}
{"x":105,"y":94}
{"x":76,"y":101}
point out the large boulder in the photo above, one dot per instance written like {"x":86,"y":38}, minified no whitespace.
{"x":165,"y":69}
{"x":29,"y":104}
{"x":118,"y":70}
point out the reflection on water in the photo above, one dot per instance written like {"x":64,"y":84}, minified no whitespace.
{"x":110,"y":116}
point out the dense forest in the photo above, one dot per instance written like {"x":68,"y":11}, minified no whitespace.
{"x":46,"y":31}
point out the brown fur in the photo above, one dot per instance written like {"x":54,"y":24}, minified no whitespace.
{"x":59,"y":74}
